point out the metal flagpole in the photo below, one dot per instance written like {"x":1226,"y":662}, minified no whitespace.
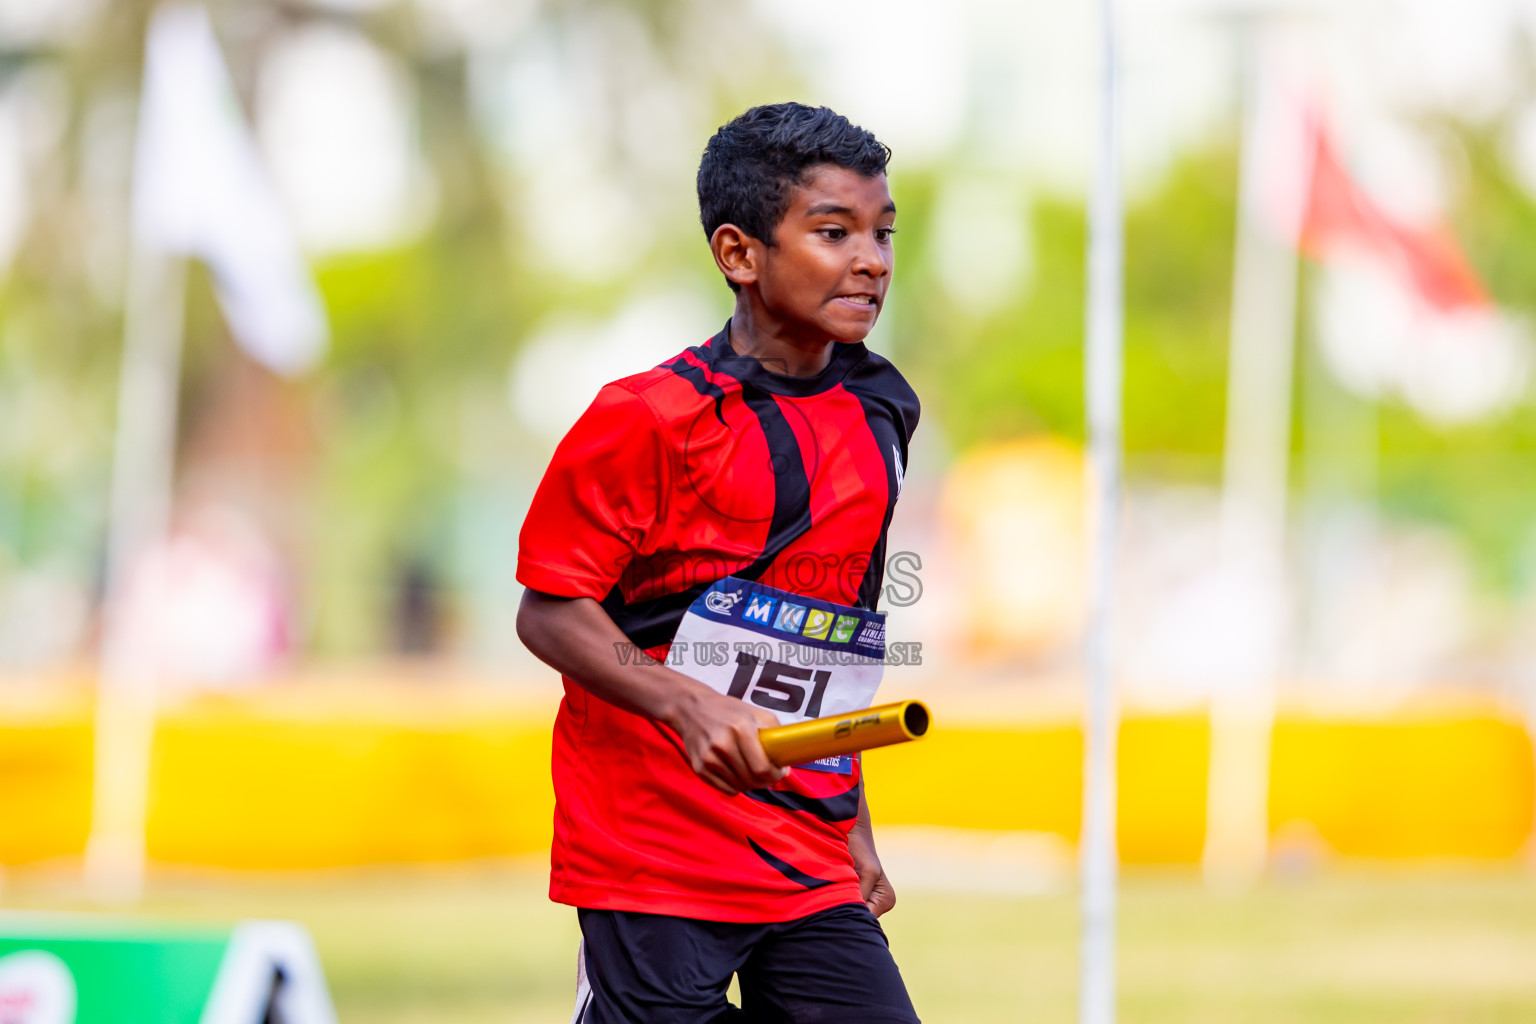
{"x":199,"y":190}
{"x":1105,"y":366}
{"x":140,"y":513}
{"x":1274,"y":173}
{"x":143,"y":469}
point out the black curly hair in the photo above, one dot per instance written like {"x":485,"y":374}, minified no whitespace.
{"x":751,"y":164}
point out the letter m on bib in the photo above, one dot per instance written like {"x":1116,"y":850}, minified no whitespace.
{"x":760,"y":609}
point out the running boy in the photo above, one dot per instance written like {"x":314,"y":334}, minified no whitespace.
{"x":747,"y":486}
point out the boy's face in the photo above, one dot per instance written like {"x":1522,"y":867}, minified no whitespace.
{"x":828,"y":272}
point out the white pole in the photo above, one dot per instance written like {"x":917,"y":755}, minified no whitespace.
{"x":1274,"y":175}
{"x":1105,"y":366}
{"x":143,"y":463}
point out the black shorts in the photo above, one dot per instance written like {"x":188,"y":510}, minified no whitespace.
{"x":834,"y":966}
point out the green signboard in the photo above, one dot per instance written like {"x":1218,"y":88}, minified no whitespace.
{"x":81,"y":969}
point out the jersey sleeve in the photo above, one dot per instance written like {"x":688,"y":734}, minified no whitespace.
{"x":601,"y":499}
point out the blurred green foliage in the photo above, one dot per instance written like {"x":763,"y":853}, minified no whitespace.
{"x":1021,"y":370}
{"x":414,"y":435}
{"x":1472,"y":477}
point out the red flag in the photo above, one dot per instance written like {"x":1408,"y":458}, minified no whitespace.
{"x":1339,"y":213}
{"x":1400,"y":309}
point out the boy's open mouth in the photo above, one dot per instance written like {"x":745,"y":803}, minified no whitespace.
{"x":861,"y":300}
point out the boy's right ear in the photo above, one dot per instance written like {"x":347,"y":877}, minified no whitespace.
{"x":738,"y":255}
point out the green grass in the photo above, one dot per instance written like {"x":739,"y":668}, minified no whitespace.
{"x":1452,"y":945}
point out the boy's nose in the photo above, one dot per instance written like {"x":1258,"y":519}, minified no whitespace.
{"x":868,"y":259}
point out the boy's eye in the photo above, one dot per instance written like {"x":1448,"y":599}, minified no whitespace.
{"x":884,"y":234}
{"x":834,"y":234}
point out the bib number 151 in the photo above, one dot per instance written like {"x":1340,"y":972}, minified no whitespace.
{"x":777,"y":686}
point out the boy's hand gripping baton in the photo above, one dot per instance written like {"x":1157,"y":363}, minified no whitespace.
{"x":878,"y":726}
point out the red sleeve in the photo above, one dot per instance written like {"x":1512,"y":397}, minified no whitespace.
{"x":600,"y":500}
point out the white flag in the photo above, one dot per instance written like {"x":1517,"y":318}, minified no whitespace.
{"x":200,"y":190}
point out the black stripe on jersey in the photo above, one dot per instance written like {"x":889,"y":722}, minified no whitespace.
{"x":841,"y":807}
{"x":892,"y":415}
{"x":696,"y":376}
{"x":654,"y":622}
{"x":791,"y":487}
{"x":787,"y":869}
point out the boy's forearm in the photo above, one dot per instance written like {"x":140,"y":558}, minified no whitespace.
{"x":863,"y":820}
{"x":576,"y":637}
{"x":873,"y":883}
{"x":718,"y":733}
{"x":861,"y":840}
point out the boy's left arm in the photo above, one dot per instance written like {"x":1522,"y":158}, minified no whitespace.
{"x":875,"y":887}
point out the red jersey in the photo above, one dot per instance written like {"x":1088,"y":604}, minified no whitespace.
{"x":704,"y":467}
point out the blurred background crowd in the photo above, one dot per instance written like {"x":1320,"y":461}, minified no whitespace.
{"x":496,"y":201}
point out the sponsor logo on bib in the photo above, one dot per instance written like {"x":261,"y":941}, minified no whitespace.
{"x":842,"y":632}
{"x":760,"y":608}
{"x":817,"y":624}
{"x":721,"y":603}
{"x":791,"y":617}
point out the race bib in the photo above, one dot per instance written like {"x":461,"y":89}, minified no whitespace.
{"x":796,"y":656}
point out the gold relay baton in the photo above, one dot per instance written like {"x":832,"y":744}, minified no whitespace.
{"x":878,"y":726}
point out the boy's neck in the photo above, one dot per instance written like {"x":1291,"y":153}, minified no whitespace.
{"x":756,"y":333}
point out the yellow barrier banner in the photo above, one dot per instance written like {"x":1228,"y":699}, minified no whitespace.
{"x":298,"y":777}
